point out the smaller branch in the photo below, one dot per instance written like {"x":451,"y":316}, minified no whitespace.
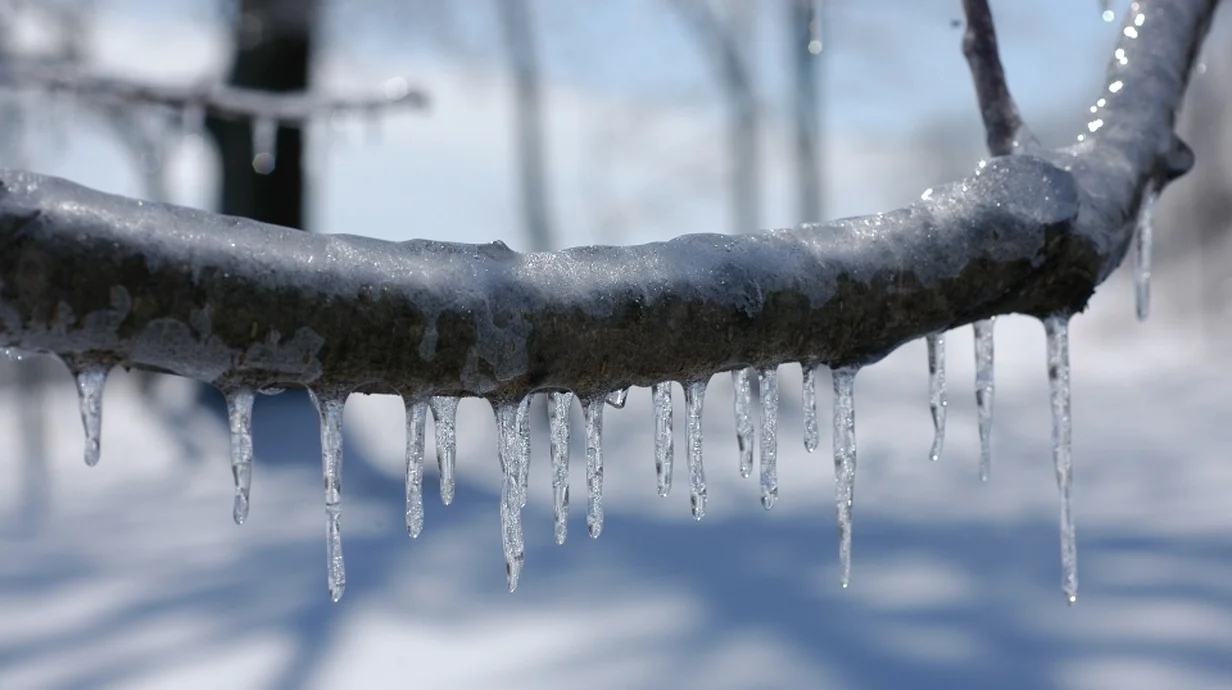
{"x":1002,"y":123}
{"x":219,"y":100}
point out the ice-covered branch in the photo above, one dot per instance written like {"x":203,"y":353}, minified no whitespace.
{"x":206,"y":98}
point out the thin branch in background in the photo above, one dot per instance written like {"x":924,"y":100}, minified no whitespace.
{"x":1002,"y":123}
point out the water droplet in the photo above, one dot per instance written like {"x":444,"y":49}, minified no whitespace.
{"x":617,"y":398}
{"x":264,"y":140}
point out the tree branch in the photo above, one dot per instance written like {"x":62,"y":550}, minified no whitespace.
{"x":214,"y":99}
{"x":231,"y":301}
{"x":1002,"y":123}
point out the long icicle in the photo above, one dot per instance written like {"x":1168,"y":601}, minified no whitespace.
{"x":558,"y":438}
{"x":812,"y":433}
{"x":1056,"y":329}
{"x":593,"y":411}
{"x":694,"y":398}
{"x":444,"y":425}
{"x":661,"y":393}
{"x":984,"y":388}
{"x":508,"y":425}
{"x":90,"y":378}
{"x":416,"y":420}
{"x":1142,"y":251}
{"x":742,"y":401}
{"x":768,"y":384}
{"x":239,"y":419}
{"x":844,"y":461}
{"x":936,"y":391}
{"x":329,"y":407}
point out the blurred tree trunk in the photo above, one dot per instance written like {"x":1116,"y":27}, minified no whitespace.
{"x":273,"y":52}
{"x":518,"y":29}
{"x":807,"y":44}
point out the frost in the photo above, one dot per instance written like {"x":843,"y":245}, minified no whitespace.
{"x":984,"y":390}
{"x":1056,"y":328}
{"x":593,"y":411}
{"x":329,"y":406}
{"x":936,"y":391}
{"x":694,"y":398}
{"x":1142,"y":251}
{"x":844,"y":461}
{"x":558,"y":435}
{"x":742,"y":400}
{"x":239,"y":418}
{"x":768,"y":384}
{"x":416,"y":420}
{"x":444,"y":424}
{"x":812,"y":435}
{"x":661,"y":393}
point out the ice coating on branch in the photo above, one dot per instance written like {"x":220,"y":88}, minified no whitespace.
{"x":509,"y":423}
{"x":618,"y":398}
{"x":742,"y":400}
{"x":90,"y":378}
{"x":936,"y":391}
{"x":593,"y":411}
{"x":812,"y":434}
{"x":1056,"y":328}
{"x":661,"y":395}
{"x":1142,"y":251}
{"x":444,"y":425}
{"x":239,"y":419}
{"x":844,"y":461}
{"x":558,"y":439}
{"x":329,"y":406}
{"x":768,"y":384}
{"x":694,"y":398}
{"x":416,"y":421}
{"x":984,"y":390}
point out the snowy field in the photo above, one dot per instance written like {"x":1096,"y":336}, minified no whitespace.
{"x":132,"y":574}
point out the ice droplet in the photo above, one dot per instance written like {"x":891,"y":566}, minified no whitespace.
{"x":264,"y":140}
{"x":593,"y":411}
{"x":239,"y":418}
{"x":664,"y":452}
{"x":984,"y":388}
{"x":844,"y":461}
{"x":936,"y":391}
{"x":742,"y":399}
{"x":90,"y":379}
{"x":694,"y":398}
{"x":812,"y":435}
{"x":1056,"y":329}
{"x":444,"y":425}
{"x":618,"y":398}
{"x":558,"y":436}
{"x":1142,"y":251}
{"x":768,"y":384}
{"x":512,"y":462}
{"x":416,"y":421}
{"x":329,"y":406}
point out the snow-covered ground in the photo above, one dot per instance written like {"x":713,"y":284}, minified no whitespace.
{"x":133,"y":575}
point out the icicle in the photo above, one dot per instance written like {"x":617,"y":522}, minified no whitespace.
{"x":662,"y":395}
{"x":264,"y":140}
{"x":936,"y":391}
{"x":768,"y":384}
{"x":1057,"y":330}
{"x":1105,"y":7}
{"x":558,"y":434}
{"x":239,"y":416}
{"x":329,"y":406}
{"x":617,"y":398}
{"x":984,"y":390}
{"x":509,"y":424}
{"x":593,"y":411}
{"x":694,"y":397}
{"x":742,"y":399}
{"x":444,"y":424}
{"x":1142,"y":253}
{"x":416,"y":420}
{"x":524,"y":450}
{"x":844,"y":461}
{"x":90,"y":378}
{"x":812,"y":435}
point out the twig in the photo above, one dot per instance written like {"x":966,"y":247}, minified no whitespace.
{"x":1002,"y":123}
